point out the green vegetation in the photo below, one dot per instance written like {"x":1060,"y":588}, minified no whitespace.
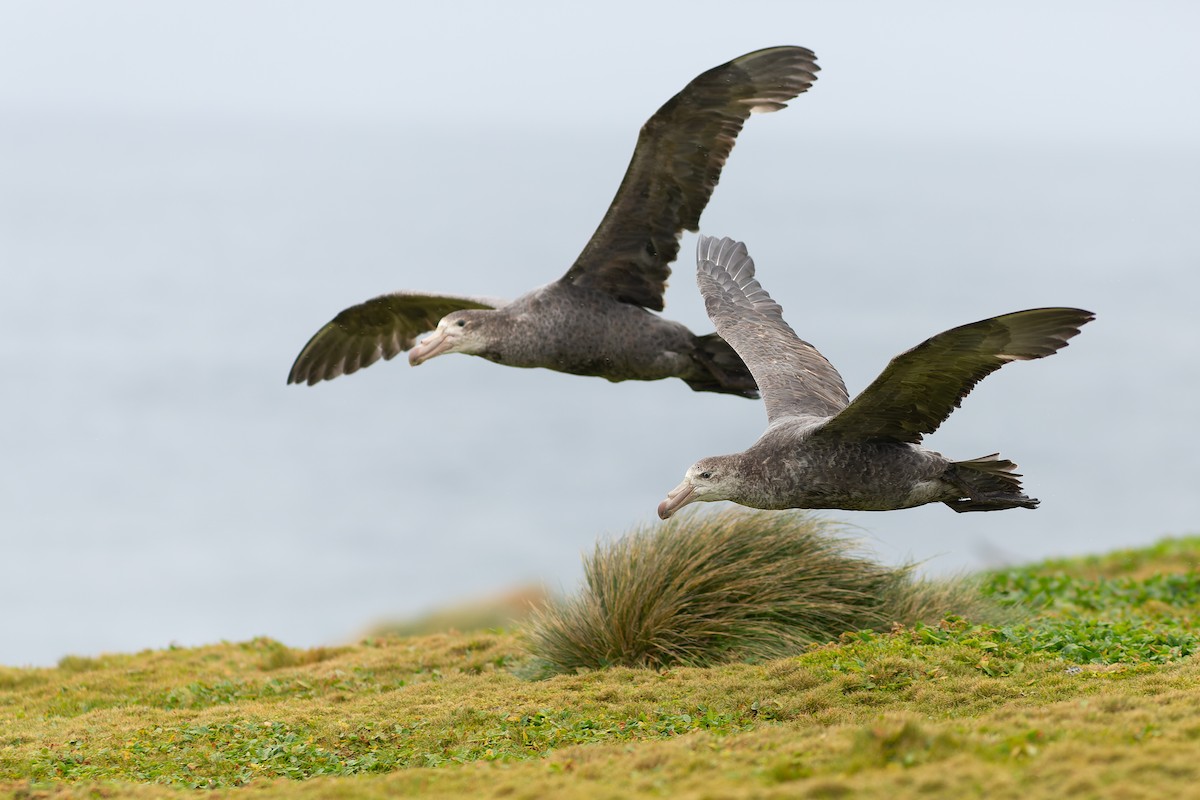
{"x":733,"y":585}
{"x":1087,"y":688}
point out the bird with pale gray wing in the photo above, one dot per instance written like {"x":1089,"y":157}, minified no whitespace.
{"x":597,"y":318}
{"x":822,"y":450}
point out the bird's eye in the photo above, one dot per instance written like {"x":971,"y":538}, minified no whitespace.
{"x":462,"y":323}
{"x":706,"y":475}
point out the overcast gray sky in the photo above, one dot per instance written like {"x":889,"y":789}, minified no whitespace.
{"x":1104,"y":71}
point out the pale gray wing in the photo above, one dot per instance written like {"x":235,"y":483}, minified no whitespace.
{"x":922,"y":386}
{"x":378,"y":328}
{"x":675,"y":167}
{"x":794,"y":378}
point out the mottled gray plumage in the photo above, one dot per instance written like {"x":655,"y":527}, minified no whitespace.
{"x":821,"y":450}
{"x":596,"y":319}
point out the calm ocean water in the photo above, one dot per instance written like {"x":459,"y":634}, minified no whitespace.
{"x":162,"y":484}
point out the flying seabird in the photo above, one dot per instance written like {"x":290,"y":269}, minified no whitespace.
{"x":821,"y":450}
{"x":596,"y":319}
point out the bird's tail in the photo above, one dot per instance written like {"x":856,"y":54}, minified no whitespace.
{"x":988,"y":484}
{"x":720,"y":369}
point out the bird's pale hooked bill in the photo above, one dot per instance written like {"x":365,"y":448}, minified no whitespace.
{"x":677,"y":498}
{"x":432,"y":345}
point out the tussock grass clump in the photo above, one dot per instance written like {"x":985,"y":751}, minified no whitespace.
{"x":705,"y":588}
{"x":910,"y":599}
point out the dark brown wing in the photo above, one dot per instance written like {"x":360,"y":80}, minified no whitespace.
{"x":794,"y":378}
{"x":675,"y":168}
{"x":922,"y":386}
{"x":378,"y":328}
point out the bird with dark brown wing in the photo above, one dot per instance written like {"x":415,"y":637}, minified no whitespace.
{"x":822,"y":450}
{"x":598,"y":318}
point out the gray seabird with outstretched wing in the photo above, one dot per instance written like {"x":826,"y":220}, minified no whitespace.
{"x":597,"y":319}
{"x":822,"y":450}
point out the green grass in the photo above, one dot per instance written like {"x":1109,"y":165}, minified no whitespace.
{"x":1088,"y":688}
{"x":705,"y":588}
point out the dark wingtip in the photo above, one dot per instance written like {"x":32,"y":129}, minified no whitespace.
{"x":309,"y":373}
{"x":301,"y":373}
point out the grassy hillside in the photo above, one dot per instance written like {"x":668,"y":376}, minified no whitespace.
{"x":1091,"y":691}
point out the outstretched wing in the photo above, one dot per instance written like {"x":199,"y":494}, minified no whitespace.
{"x":794,"y":378}
{"x":378,"y":328}
{"x":922,"y":386}
{"x":675,"y":167}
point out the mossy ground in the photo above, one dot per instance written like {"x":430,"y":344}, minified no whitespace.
{"x":1091,"y":693}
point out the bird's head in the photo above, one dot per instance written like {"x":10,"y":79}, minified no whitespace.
{"x":457,"y":332}
{"x":712,"y":478}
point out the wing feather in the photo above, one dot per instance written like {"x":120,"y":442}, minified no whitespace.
{"x":921,"y":387}
{"x":793,"y":376}
{"x":379,"y":328}
{"x":675,"y":167}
